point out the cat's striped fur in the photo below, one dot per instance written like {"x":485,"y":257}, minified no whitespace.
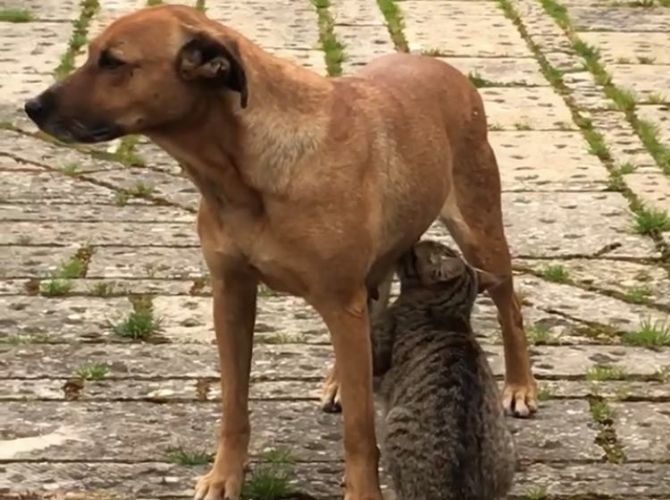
{"x":445,"y":436}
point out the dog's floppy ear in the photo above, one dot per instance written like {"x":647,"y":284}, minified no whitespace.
{"x":215,"y":60}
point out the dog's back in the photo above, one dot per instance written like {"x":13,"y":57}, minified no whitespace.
{"x":445,"y":436}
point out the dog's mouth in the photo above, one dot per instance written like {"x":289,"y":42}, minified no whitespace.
{"x":73,"y":131}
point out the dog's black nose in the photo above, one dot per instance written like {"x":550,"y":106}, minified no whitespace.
{"x":34,"y":108}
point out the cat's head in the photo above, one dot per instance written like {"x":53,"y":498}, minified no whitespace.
{"x":432,"y":266}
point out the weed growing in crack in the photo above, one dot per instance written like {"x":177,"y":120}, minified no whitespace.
{"x":602,"y":373}
{"x":140,"y":190}
{"x":333,"y":49}
{"x":92,"y":371}
{"x":649,"y":134}
{"x":657,"y":98}
{"x":140,"y":324}
{"x":102,"y":289}
{"x":182,"y":456}
{"x":126,"y":154}
{"x":539,"y":334}
{"x":121,"y":198}
{"x":535,"y":493}
{"x":555,"y":273}
{"x":651,"y":220}
{"x":638,"y":294}
{"x":544,"y":393}
{"x":78,"y":38}
{"x":55,"y":287}
{"x":603,"y":415}
{"x":271,"y":479}
{"x":16,"y":16}
{"x":394,"y":23}
{"x":71,"y":169}
{"x":651,"y":335}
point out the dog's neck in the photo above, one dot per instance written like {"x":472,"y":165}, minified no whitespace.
{"x":242,"y":155}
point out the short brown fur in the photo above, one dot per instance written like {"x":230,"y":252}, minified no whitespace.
{"x":311,"y":185}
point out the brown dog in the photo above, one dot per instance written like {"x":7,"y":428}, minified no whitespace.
{"x":314,"y":186}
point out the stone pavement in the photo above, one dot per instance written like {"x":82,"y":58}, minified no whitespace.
{"x":97,"y":246}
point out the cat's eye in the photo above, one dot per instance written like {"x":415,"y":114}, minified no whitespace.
{"x":109,"y":61}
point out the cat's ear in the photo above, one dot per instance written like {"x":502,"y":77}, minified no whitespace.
{"x":449,"y":268}
{"x":486,"y":280}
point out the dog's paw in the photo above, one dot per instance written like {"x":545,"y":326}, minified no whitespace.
{"x":217,"y":485}
{"x":330,"y":397}
{"x":520,"y":400}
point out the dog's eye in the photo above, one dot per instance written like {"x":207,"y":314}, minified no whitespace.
{"x":108,"y":61}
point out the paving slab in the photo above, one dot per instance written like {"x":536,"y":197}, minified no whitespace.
{"x":46,"y":10}
{"x":642,"y":429}
{"x":108,"y":438}
{"x":592,"y":481}
{"x":144,"y":262}
{"x":273,"y":25}
{"x":547,"y":161}
{"x":53,"y":212}
{"x":459,"y":26}
{"x":614,"y":47}
{"x":289,"y":361}
{"x":99,"y":233}
{"x":526,"y":108}
{"x":648,"y":82}
{"x":659,"y":116}
{"x":32,"y":262}
{"x":501,"y":71}
{"x":568,"y":224}
{"x":618,"y":18}
{"x":51,"y":187}
{"x":612,"y":276}
{"x":142,"y":432}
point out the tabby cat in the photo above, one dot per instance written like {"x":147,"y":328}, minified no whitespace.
{"x":444,"y":436}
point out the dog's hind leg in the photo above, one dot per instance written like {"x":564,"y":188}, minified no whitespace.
{"x":330,"y":394}
{"x":473,"y":215}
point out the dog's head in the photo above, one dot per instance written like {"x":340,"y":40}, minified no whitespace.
{"x":147,"y":70}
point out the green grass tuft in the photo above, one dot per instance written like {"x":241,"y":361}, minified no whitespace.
{"x":638,"y":294}
{"x":651,"y":220}
{"x":55,"y":287}
{"x":555,"y":273}
{"x":394,"y":23}
{"x":601,"y":373}
{"x":16,"y":16}
{"x":140,"y":324}
{"x":92,"y":371}
{"x":650,"y":335}
{"x":271,"y":479}
{"x":181,"y":456}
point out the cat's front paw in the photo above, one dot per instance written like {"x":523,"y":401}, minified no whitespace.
{"x":520,"y":400}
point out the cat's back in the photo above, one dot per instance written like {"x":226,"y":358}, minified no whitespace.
{"x":445,"y":435}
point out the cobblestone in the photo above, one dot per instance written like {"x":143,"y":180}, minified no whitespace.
{"x":111,"y":438}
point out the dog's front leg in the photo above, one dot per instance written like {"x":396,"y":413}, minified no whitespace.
{"x":349,"y":327}
{"x":234,"y":315}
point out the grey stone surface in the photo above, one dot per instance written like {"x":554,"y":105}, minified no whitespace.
{"x":61,"y":437}
{"x":526,"y":108}
{"x":459,"y":26}
{"x":643,"y":430}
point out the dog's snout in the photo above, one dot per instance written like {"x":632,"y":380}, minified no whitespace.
{"x":39,"y":108}
{"x":34,"y":108}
